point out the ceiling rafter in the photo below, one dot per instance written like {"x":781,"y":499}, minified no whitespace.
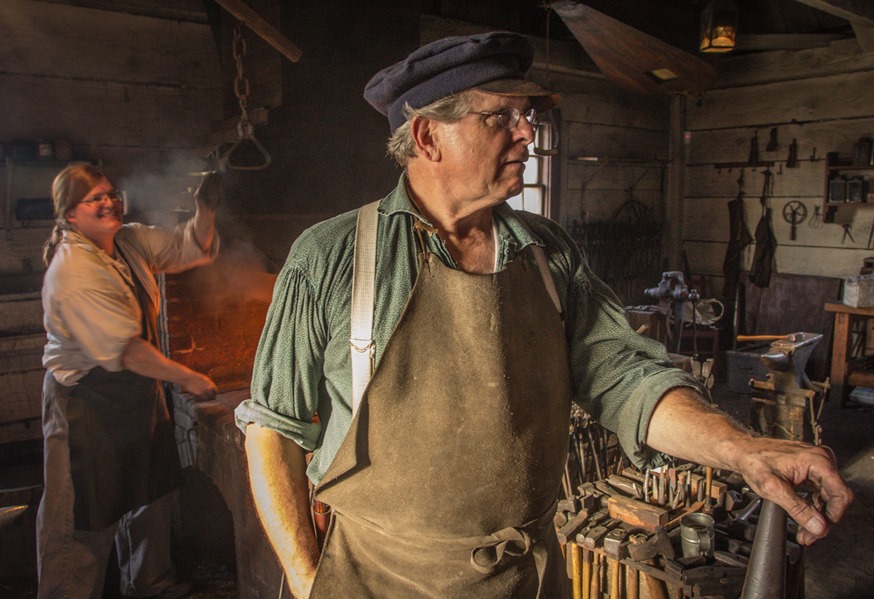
{"x":859,"y":12}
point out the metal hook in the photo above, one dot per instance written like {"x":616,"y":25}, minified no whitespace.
{"x":246,"y":132}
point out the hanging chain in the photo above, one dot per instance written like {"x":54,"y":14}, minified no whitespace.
{"x":245,"y":130}
{"x":241,"y":84}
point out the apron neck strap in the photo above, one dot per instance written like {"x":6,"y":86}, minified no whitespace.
{"x":363,"y":275}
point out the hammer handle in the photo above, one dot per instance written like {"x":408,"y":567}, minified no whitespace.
{"x":744,"y":338}
{"x":576,"y":581}
{"x":587,"y":574}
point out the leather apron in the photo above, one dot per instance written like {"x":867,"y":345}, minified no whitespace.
{"x":445,"y":485}
{"x":122,"y":446}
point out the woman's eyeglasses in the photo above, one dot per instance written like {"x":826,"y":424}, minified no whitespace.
{"x":113,"y":196}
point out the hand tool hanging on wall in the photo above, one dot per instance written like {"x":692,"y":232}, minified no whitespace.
{"x":794,"y":213}
{"x":848,"y":232}
{"x":773,"y":144}
{"x":792,"y":159}
{"x":739,"y":239}
{"x":229,"y":159}
{"x":766,"y":242}
{"x":816,"y":219}
{"x":754,"y":151}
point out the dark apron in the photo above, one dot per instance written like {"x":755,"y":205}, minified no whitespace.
{"x":446,"y":483}
{"x":122,"y":445}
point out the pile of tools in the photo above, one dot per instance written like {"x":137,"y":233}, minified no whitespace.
{"x":674,"y":531}
{"x":593,"y":453}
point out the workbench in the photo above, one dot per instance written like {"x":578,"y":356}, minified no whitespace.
{"x":845,"y":371}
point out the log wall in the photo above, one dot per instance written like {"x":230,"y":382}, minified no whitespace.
{"x":820,"y":98}
{"x":134,"y":93}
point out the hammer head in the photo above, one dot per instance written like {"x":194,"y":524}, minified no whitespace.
{"x":615,"y":545}
{"x":658,"y":543}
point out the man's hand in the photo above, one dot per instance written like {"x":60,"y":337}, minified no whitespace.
{"x":775,"y":467}
{"x":682,"y":425}
{"x":209,"y":193}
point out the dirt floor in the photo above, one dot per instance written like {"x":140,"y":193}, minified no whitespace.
{"x":838,"y":567}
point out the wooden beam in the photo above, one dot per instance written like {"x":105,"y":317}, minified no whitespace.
{"x":182,"y":10}
{"x":779,"y":41}
{"x":855,"y":11}
{"x":632,"y":58}
{"x":865,"y":37}
{"x":242,"y":12}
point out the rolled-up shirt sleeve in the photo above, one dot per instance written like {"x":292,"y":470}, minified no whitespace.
{"x":173,"y":250}
{"x":288,"y":363}
{"x":619,"y":375}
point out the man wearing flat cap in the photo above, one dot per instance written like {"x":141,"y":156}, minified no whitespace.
{"x":426,"y":349}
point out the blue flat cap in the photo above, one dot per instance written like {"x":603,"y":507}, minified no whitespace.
{"x":493,"y":62}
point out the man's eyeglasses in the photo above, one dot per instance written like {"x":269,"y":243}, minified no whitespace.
{"x":113,"y":196}
{"x":509,"y":117}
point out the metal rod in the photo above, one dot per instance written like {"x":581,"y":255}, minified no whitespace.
{"x":766,"y":573}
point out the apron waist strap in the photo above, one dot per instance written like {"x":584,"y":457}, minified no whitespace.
{"x":490,"y":553}
{"x":502,"y":548}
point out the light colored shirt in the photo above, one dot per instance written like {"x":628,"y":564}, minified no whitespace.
{"x":90,"y":307}
{"x":302,"y":366}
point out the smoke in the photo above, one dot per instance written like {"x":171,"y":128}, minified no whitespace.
{"x":160,"y":194}
{"x":241,"y":274}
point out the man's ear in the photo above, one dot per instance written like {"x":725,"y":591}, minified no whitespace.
{"x":426,"y":136}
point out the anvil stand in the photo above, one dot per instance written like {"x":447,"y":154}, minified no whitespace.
{"x":788,"y":404}
{"x":780,"y":410}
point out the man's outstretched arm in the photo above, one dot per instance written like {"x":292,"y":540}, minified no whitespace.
{"x":685,"y":427}
{"x":277,"y":473}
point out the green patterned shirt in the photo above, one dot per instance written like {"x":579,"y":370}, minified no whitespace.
{"x":302,"y":366}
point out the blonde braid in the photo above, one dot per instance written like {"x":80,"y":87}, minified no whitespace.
{"x":69,"y":187}
{"x":51,"y":244}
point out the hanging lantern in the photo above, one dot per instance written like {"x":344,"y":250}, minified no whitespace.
{"x":718,"y":26}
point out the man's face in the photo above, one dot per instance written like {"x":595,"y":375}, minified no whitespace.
{"x":483,"y":160}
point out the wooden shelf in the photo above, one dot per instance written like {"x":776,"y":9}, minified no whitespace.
{"x":838,"y":185}
{"x":861,"y":378}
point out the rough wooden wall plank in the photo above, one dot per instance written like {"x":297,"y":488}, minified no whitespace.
{"x":614,"y":141}
{"x":807,"y":180}
{"x":764,"y":67}
{"x":842,"y":96}
{"x":600,"y":205}
{"x":78,"y":43}
{"x":607,"y":106}
{"x":706,"y":258}
{"x":732,"y":144}
{"x":102,"y":113}
{"x":707,"y":219}
{"x":590,"y":175}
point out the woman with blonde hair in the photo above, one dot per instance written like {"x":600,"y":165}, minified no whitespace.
{"x":111,"y":463}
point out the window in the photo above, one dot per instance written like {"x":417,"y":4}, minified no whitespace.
{"x":535,"y":190}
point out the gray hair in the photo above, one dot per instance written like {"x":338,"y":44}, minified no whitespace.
{"x":401,"y":146}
